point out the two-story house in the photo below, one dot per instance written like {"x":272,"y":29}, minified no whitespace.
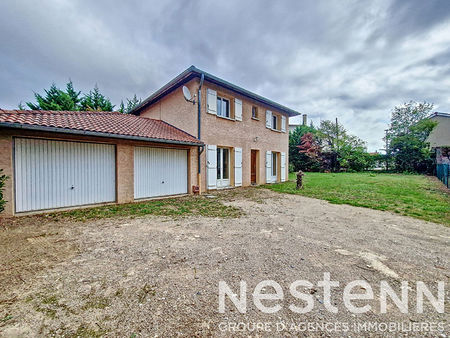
{"x":224,"y":137}
{"x":246,"y":135}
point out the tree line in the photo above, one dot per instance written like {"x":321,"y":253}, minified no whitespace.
{"x":70,"y":99}
{"x":330,"y":147}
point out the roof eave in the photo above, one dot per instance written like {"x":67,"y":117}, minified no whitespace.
{"x":164,"y":90}
{"x":194,"y":71}
{"x":13,"y":125}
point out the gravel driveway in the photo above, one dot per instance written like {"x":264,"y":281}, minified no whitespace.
{"x":159,"y":276}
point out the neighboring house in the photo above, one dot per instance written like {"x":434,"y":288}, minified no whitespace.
{"x":293,"y":126}
{"x":439,"y":140}
{"x":57,"y":159}
{"x":246,"y":135}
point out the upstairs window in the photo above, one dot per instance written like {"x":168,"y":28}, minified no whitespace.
{"x":223,"y":107}
{"x":274,"y":122}
{"x":254,"y":112}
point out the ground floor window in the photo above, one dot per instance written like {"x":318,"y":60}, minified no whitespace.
{"x":223,"y":166}
{"x":274,"y":164}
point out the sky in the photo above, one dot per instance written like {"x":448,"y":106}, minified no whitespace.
{"x":354,"y":60}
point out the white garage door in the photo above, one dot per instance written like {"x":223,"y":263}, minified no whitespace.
{"x":55,"y":174}
{"x":159,"y":172}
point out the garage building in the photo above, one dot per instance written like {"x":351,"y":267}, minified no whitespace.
{"x":60,"y":159}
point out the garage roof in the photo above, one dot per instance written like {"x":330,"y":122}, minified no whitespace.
{"x":104,"y":124}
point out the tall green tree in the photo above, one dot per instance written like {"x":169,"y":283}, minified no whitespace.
{"x":95,"y":101}
{"x":406,"y":115}
{"x":300,"y":160}
{"x":74,"y":95}
{"x":406,"y":137}
{"x":56,"y":99}
{"x":411,"y":151}
{"x":130,"y":105}
{"x":341,"y":151}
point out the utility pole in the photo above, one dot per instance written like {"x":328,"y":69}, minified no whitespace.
{"x":337,"y":135}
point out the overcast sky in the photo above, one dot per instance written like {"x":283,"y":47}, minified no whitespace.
{"x":354,"y":60}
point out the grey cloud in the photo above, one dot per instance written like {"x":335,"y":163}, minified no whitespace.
{"x":353,"y":59}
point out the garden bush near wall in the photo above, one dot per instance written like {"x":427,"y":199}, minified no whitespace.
{"x":3,"y":179}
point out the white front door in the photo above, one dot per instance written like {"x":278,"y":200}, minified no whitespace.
{"x":223,"y":167}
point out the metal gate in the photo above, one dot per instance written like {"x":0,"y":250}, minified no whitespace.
{"x":443,"y":173}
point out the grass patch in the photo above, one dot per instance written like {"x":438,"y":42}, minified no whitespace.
{"x":182,"y":206}
{"x":409,"y":195}
{"x":48,"y":305}
{"x":96,"y":302}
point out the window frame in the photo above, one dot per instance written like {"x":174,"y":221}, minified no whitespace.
{"x":275,"y":122}
{"x":275,"y":164}
{"x":255,"y":116}
{"x":222,"y":99}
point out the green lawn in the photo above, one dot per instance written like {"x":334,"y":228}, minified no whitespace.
{"x":410,"y":195}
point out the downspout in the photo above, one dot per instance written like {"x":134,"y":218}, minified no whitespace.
{"x":200,"y":151}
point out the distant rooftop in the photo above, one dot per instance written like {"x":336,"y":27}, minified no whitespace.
{"x":439,"y":114}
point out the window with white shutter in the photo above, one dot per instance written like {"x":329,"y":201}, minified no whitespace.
{"x":268,"y":119}
{"x":237,"y":110}
{"x":283,"y":167}
{"x":211,"y":101}
{"x":211,"y":166}
{"x":238,"y":167}
{"x":268,"y":167}
{"x":283,"y":123}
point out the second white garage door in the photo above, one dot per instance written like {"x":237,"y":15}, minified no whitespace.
{"x":159,"y":172}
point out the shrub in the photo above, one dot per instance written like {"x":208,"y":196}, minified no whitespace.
{"x":3,"y":179}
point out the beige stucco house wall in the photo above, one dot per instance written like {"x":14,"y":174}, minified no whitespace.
{"x":248,"y":134}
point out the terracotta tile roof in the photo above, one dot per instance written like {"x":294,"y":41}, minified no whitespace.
{"x":109,"y":123}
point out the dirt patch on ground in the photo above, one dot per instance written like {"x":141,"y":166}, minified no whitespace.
{"x":159,"y":275}
{"x":30,"y":245}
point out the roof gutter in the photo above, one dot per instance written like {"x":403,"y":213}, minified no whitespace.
{"x":95,"y":133}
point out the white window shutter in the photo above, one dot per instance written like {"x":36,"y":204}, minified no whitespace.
{"x":268,"y":119}
{"x":211,"y":101}
{"x":237,"y":167}
{"x":283,"y":167}
{"x":211,"y":166}
{"x":237,"y":110}
{"x":283,"y":123}
{"x":268,"y":167}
